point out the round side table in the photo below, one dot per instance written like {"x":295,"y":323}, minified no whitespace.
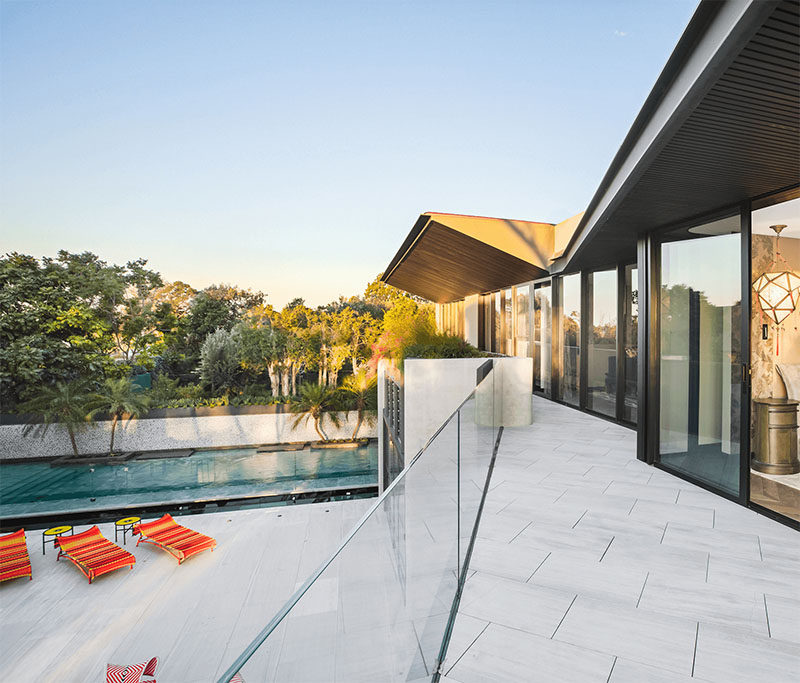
{"x":125,"y":525}
{"x":50,"y":535}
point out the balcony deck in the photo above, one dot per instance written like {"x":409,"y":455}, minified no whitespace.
{"x":592,"y":566}
{"x":589,"y":566}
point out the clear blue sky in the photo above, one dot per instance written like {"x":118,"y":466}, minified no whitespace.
{"x":290,"y":146}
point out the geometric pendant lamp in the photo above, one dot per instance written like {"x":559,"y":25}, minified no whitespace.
{"x":778,"y":290}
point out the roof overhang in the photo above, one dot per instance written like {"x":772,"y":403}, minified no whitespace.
{"x":720,"y":127}
{"x":448,"y":257}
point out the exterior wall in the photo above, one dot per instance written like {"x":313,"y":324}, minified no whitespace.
{"x":169,"y":433}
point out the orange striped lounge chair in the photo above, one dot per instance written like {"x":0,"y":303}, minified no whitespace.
{"x":177,"y":540}
{"x":93,"y":554}
{"x":14,"y":559}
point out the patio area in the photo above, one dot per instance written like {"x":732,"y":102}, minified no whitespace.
{"x":588,"y":566}
{"x":592,"y":566}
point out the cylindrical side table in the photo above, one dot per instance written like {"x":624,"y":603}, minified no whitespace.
{"x":775,"y":442}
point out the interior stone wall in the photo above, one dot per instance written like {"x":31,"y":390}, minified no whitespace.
{"x":765,"y":378}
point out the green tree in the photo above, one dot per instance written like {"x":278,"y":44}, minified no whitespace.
{"x":65,"y":403}
{"x":362,"y":391}
{"x":219,"y":360}
{"x":118,"y":397}
{"x":317,"y":403}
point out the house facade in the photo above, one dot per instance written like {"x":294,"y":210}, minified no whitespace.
{"x":672,"y":304}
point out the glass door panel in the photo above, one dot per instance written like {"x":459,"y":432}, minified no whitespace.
{"x":700,"y":364}
{"x":571,"y":338}
{"x":630,"y":344}
{"x":601,"y":378}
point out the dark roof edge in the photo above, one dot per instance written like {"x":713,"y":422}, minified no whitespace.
{"x":405,"y":248}
{"x":696,"y":29}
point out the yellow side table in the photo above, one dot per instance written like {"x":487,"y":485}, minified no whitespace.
{"x":125,"y":525}
{"x":50,"y":535}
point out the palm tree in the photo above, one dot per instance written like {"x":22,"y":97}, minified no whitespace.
{"x":119,"y":397}
{"x":362,"y":390}
{"x":64,"y":403}
{"x":317,"y":402}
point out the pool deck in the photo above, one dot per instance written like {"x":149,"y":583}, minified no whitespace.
{"x":589,"y":566}
{"x":196,"y":617}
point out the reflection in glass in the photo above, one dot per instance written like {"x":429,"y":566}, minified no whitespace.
{"x":542,"y":345}
{"x":508,"y":322}
{"x":700,"y":371}
{"x":570,"y":338}
{"x":522,"y":320}
{"x":630,"y":343}
{"x":497,"y":339}
{"x":602,"y":343}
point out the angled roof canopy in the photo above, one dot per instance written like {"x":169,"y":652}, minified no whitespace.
{"x":721,"y":126}
{"x":448,"y":256}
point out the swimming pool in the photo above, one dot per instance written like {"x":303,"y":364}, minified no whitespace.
{"x":40,"y":488}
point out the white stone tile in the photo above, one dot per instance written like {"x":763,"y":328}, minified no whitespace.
{"x":572,"y":571}
{"x":504,"y":559}
{"x":642,"y":636}
{"x":727,"y":655}
{"x":700,"y":601}
{"x":677,"y":564}
{"x":551,"y":537}
{"x":752,"y":575}
{"x":626,"y":671}
{"x":713,"y":540}
{"x":503,"y":654}
{"x":673,"y":513}
{"x":661,"y":494}
{"x":514,"y":604}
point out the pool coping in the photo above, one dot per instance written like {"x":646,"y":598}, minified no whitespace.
{"x":197,"y":506}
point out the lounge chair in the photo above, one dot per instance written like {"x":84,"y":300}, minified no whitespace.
{"x":14,"y":559}
{"x":177,"y":540}
{"x":93,"y":553}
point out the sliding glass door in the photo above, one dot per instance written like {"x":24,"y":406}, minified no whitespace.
{"x":700,"y":364}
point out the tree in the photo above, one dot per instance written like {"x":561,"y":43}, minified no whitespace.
{"x":219,"y":359}
{"x":317,"y":403}
{"x":382,"y":294}
{"x":119,"y":397}
{"x":263,"y":348}
{"x":64,"y":403}
{"x":362,"y":390}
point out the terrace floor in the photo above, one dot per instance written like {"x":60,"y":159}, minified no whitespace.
{"x":196,"y":617}
{"x":592,"y":566}
{"x":589,"y":566}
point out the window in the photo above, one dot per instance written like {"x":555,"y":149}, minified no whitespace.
{"x":570,"y":338}
{"x":601,"y":378}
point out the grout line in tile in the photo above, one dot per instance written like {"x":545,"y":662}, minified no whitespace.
{"x":564,"y":617}
{"x":694,"y":654}
{"x":766,"y":613}
{"x":468,"y":647}
{"x":580,"y":518}
{"x":606,"y":550}
{"x":538,"y":566}
{"x":520,"y":531}
{"x":641,"y":592}
{"x":664,"y":533}
{"x":708,"y":562}
{"x":613,"y":664}
{"x":760,"y":553}
{"x":636,"y":500}
{"x":713,"y":517}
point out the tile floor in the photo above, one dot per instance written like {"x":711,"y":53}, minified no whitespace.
{"x":592,"y":566}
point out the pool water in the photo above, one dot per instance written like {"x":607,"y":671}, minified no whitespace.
{"x":39,"y":488}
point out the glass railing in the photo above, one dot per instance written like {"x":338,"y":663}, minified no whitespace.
{"x":382,"y":606}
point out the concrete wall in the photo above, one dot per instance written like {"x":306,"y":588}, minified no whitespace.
{"x":166,"y":433}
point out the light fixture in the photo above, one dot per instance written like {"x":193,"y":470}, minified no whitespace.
{"x":778,"y":291}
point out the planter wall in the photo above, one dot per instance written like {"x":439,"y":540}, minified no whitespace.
{"x":244,"y":428}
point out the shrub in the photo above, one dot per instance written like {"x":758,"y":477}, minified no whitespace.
{"x":219,"y":360}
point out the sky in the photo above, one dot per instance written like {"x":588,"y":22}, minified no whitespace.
{"x":289,"y":147}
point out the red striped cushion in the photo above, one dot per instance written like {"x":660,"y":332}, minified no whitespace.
{"x":14,"y":559}
{"x":179,"y":540}
{"x":94,"y":553}
{"x":130,"y":674}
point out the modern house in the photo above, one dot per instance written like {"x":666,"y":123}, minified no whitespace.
{"x":665,"y":306}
